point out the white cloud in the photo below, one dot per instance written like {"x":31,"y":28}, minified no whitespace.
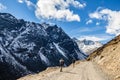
{"x":89,"y":21}
{"x":95,"y":38}
{"x":112,"y":17}
{"x":97,"y":23}
{"x":28,"y":2}
{"x":58,"y":9}
{"x":95,"y":15}
{"x":20,"y":1}
{"x":2,"y":7}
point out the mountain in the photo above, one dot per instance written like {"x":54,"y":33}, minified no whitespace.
{"x":28,"y":47}
{"x":108,"y":57}
{"x":87,"y":46}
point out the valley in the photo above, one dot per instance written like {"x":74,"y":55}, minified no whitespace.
{"x":31,"y":51}
{"x":83,"y":70}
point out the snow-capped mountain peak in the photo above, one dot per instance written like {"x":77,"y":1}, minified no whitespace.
{"x":28,"y":47}
{"x":88,"y":46}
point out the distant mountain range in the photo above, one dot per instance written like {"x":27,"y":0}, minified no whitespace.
{"x":28,"y":47}
{"x":88,"y":46}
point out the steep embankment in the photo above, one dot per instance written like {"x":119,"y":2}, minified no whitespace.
{"x":108,"y":57}
{"x":81,"y":71}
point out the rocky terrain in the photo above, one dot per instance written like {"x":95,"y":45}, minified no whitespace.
{"x":28,"y":47}
{"x":102,"y":64}
{"x":108,"y":57}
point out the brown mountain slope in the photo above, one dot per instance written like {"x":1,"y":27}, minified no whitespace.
{"x":108,"y":57}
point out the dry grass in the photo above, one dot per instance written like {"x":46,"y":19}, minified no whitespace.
{"x":108,"y":57}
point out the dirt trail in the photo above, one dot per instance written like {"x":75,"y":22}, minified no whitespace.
{"x":81,"y":71}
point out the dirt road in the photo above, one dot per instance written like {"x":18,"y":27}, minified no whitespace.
{"x":81,"y":71}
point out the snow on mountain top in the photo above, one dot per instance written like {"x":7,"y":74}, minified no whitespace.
{"x":7,"y":16}
{"x":46,"y":25}
{"x":59,"y":49}
{"x":88,"y":46}
{"x":33,"y":47}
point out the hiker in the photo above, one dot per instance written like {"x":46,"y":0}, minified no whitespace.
{"x":73,"y":62}
{"x":61,"y":64}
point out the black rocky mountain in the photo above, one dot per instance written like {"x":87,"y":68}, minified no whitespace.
{"x":28,"y":47}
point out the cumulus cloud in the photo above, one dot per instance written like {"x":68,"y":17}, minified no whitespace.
{"x":112,"y":17}
{"x":89,"y":21}
{"x":58,"y":9}
{"x":2,"y":7}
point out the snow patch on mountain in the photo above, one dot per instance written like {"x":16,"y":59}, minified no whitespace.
{"x":44,"y":59}
{"x":10,"y":58}
{"x":59,"y":49}
{"x":28,"y":47}
{"x":88,"y":46}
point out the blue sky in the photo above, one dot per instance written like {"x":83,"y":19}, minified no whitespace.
{"x":97,"y":20}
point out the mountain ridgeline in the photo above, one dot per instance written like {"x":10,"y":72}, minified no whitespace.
{"x":88,"y":46}
{"x":28,"y":47}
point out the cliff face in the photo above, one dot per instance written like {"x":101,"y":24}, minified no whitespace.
{"x":108,"y":57}
{"x":28,"y":47}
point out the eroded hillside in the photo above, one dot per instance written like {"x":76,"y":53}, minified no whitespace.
{"x":108,"y":57}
